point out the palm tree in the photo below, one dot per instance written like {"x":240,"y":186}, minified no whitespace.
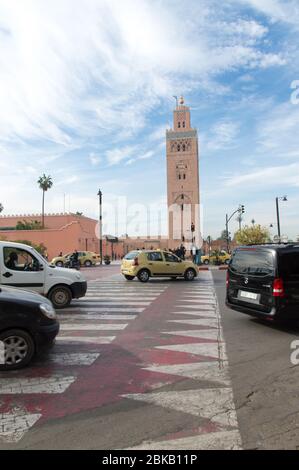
{"x":1,"y":207}
{"x":45,"y":183}
{"x":239,"y":219}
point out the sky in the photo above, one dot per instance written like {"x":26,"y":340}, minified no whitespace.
{"x":86,"y":93}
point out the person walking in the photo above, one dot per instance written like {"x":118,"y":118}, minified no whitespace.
{"x":193,"y":252}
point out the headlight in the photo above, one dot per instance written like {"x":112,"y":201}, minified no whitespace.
{"x":48,"y":311}
{"x":78,"y":276}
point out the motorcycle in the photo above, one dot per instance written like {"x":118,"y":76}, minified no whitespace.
{"x":71,"y":263}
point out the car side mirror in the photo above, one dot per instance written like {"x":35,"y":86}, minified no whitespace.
{"x":41,"y":267}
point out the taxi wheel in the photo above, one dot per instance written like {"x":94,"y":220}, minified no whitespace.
{"x":226,"y":261}
{"x":189,"y":275}
{"x":87,"y":263}
{"x":206,"y":261}
{"x":19,"y":349}
{"x":60,"y":296}
{"x":129,"y":278}
{"x":59,"y":264}
{"x":143,"y":275}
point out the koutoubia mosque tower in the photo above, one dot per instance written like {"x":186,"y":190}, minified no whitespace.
{"x":183,"y":180}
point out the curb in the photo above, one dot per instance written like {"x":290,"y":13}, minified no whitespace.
{"x":223,"y":268}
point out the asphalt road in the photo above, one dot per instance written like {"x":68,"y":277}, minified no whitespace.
{"x":265,"y":383}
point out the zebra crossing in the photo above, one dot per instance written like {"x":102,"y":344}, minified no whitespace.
{"x":200,"y":340}
{"x":86,"y":326}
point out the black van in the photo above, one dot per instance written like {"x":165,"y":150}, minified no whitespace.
{"x":263,"y":280}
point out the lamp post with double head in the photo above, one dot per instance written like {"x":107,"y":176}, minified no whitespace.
{"x":284,"y":199}
{"x":100,"y":226}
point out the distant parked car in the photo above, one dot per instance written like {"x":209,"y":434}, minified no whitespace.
{"x":222,"y":257}
{"x":86,"y":258}
{"x":28,"y":324}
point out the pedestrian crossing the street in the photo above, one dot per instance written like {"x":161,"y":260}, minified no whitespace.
{"x":86,"y":326}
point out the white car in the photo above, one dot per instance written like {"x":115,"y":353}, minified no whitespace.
{"x":22,"y":266}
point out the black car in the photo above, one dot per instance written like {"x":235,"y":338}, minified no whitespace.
{"x":263,"y":280}
{"x":27,"y":324}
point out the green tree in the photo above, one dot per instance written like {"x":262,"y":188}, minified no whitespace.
{"x":31,"y":225}
{"x":40,"y":248}
{"x":1,"y":207}
{"x":45,"y":183}
{"x":252,"y":234}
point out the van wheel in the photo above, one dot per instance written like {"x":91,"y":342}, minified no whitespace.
{"x":129,"y":278}
{"x":59,"y":264}
{"x":19,"y":349}
{"x":189,"y":275}
{"x":143,"y":275}
{"x":60,"y":296}
{"x":87,"y":263}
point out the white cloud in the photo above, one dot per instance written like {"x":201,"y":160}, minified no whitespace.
{"x":275,"y":176}
{"x":70,"y":70}
{"x":223,"y":135}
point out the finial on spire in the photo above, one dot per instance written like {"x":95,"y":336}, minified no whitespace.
{"x":181,"y":101}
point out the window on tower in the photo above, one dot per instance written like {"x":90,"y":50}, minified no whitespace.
{"x":179,"y":124}
{"x":183,"y":123}
{"x":184,"y":176}
{"x":184,"y":147}
{"x":179,"y":148}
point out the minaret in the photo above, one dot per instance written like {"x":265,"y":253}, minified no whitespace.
{"x":182,"y":179}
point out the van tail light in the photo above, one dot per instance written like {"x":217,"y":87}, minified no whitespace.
{"x":278,"y":289}
{"x":227,"y":279}
{"x":135,"y":262}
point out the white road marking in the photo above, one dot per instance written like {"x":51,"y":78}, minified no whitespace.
{"x":208,"y":371}
{"x":214,"y":334}
{"x":103,"y":309}
{"x":94,"y":316}
{"x":213,"y":350}
{"x":200,"y":302}
{"x":215,"y":404}
{"x":212,"y":322}
{"x":222,"y":440}
{"x":85,"y":339}
{"x":92,"y":326}
{"x":96,"y":303}
{"x":52,"y":384}
{"x":198,"y":307}
{"x":205,"y":314}
{"x":73,"y":359}
{"x":14,"y":424}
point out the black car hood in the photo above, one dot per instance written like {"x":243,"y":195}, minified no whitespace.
{"x":15,"y":294}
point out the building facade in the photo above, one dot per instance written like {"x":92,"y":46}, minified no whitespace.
{"x":182,"y":157}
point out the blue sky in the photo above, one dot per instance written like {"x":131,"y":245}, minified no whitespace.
{"x":86,"y":95}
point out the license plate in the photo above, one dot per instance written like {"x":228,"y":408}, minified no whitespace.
{"x":248,"y":295}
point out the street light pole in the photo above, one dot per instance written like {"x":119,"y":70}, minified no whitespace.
{"x":278,"y":221}
{"x":284,"y":198}
{"x":100,"y":226}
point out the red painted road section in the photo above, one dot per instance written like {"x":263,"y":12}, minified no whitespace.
{"x":119,"y":369}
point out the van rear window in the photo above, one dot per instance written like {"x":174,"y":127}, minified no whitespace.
{"x":132,"y":255}
{"x":256,"y":263}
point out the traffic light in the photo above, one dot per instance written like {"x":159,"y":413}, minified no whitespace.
{"x":242,"y":209}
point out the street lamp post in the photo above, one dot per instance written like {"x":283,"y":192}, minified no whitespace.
{"x":284,"y":198}
{"x":100,"y":226}
{"x":240,"y":210}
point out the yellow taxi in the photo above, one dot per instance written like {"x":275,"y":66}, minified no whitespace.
{"x":156,"y":263}
{"x":86,"y":258}
{"x":216,"y":256}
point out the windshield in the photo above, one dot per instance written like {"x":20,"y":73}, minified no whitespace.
{"x":132,"y":255}
{"x":256,"y":263}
